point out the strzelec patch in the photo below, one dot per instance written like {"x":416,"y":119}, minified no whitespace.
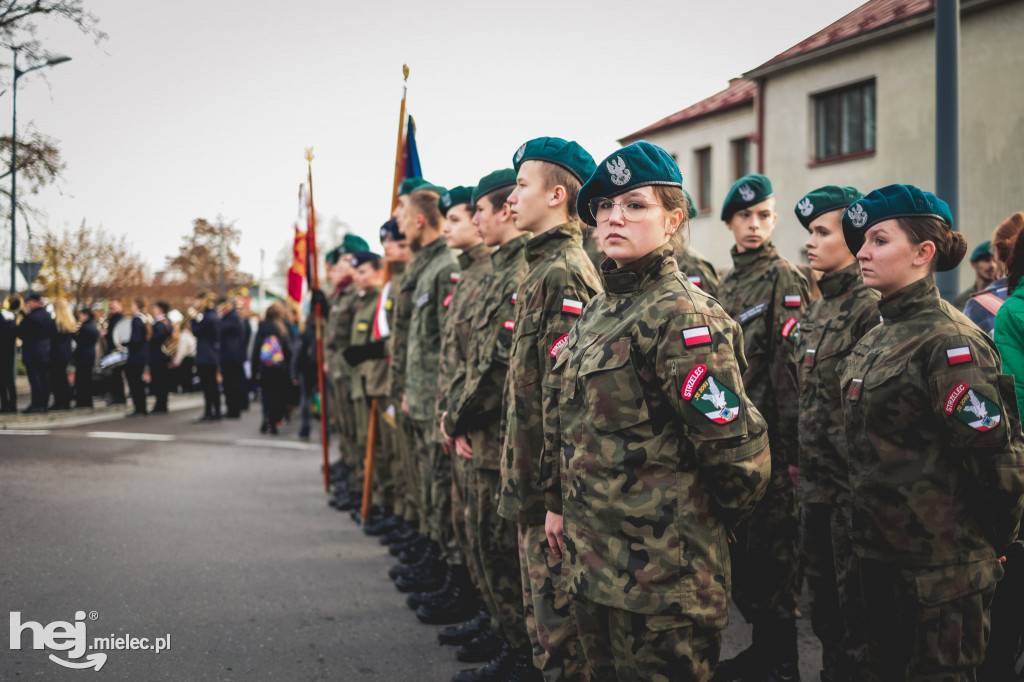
{"x":710,"y":397}
{"x":972,"y":408}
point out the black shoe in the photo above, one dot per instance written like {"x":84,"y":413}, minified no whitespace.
{"x":481,"y":649}
{"x":455,"y":604}
{"x":351,"y":501}
{"x":137,"y":413}
{"x":746,"y":665}
{"x":158,"y":410}
{"x":429,"y":554}
{"x":522,"y":668}
{"x":403,"y":532}
{"x":399,"y":547}
{"x":457,"y":635}
{"x":443,"y":593}
{"x":780,"y":672}
{"x":427,"y":579}
{"x":206,"y":419}
{"x":384,"y":526}
{"x":34,"y":410}
{"x":497,"y":670}
{"x":263,"y":427}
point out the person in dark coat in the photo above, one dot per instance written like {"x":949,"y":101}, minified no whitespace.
{"x":159,"y":374}
{"x":8,"y":335}
{"x":303,"y":369}
{"x":233,"y":339}
{"x":138,"y":358}
{"x":35,"y":332}
{"x":206,"y":328}
{"x":116,"y":379}
{"x":61,"y":348}
{"x":271,"y":366}
{"x":85,"y":356}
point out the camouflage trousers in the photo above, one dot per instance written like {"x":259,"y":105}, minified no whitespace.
{"x":387,"y":473}
{"x":765,"y":565}
{"x":382,"y":486}
{"x":435,"y":479}
{"x":344,"y":420}
{"x":494,"y":541}
{"x":408,"y":468}
{"x":636,"y":647}
{"x":462,"y":474}
{"x":927,"y":624}
{"x":830,"y":566}
{"x":549,"y":621}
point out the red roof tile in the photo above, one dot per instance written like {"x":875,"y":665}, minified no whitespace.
{"x":739,"y":92}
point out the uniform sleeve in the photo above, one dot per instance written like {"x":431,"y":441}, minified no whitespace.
{"x":444,"y":291}
{"x":699,"y":364}
{"x":791,"y":299}
{"x":977,"y":408}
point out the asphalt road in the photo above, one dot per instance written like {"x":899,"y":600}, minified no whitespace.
{"x":214,"y":538}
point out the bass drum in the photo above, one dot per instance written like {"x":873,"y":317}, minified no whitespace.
{"x":122,"y":332}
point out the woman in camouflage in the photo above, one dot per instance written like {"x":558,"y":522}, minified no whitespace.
{"x":935,"y":448}
{"x":662,"y":452}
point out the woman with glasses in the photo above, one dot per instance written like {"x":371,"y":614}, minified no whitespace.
{"x":662,"y":452}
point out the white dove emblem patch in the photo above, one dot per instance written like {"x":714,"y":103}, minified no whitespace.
{"x":710,"y":397}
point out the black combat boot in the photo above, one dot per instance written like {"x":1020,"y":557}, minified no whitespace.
{"x":429,"y":578}
{"x":522,"y":668}
{"x":483,"y":648}
{"x":418,"y":599}
{"x":457,"y":635}
{"x":455,"y":606}
{"x":496,"y":670}
{"x":427,"y":555}
{"x":403,"y":532}
{"x":388,"y":523}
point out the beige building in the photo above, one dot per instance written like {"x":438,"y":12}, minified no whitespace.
{"x":854,"y":104}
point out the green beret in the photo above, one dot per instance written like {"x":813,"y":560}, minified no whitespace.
{"x":333,"y":255}
{"x":569,"y":155}
{"x":637,"y":165}
{"x":409,"y":185}
{"x":744,"y":193}
{"x":823,"y":200}
{"x":893,"y":201}
{"x":454,"y":197}
{"x":981,"y":251}
{"x":691,"y":211}
{"x":506,"y":177}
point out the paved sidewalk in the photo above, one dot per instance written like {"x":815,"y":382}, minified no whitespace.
{"x":79,"y":416}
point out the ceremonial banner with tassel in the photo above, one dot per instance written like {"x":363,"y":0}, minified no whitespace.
{"x":298,"y":273}
{"x":318,"y":317}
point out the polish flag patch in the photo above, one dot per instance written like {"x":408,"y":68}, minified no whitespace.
{"x":559,"y":344}
{"x":696,"y":336}
{"x":956,"y":356}
{"x":792,"y":301}
{"x":509,"y":325}
{"x":695,"y":280}
{"x":514,"y":298}
{"x":455,"y":277}
{"x":572,"y":307}
{"x":448,"y":299}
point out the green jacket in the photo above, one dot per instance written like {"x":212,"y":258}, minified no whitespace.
{"x":398,"y":307}
{"x":560,"y":281}
{"x":934,"y":438}
{"x":1009,"y":338}
{"x":338,"y":330}
{"x":369,"y":377}
{"x":830,"y":328}
{"x":662,"y":450}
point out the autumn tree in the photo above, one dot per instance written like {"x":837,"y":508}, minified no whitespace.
{"x":18,"y":28}
{"x":207,"y":256}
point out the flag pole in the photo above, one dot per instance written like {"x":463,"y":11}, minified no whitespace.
{"x":371,"y":440}
{"x":318,"y":315}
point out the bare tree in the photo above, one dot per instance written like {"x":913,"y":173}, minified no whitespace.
{"x":207,"y":256}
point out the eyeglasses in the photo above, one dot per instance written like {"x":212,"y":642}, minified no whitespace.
{"x":632,"y":211}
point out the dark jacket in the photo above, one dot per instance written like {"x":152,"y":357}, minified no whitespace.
{"x":35,"y":332}
{"x":8,"y":331}
{"x":207,"y":333}
{"x":304,"y":358}
{"x":61,"y":349}
{"x":138,"y":346}
{"x":263,"y":332}
{"x":232,"y":338}
{"x":85,"y":340}
{"x":161,"y":332}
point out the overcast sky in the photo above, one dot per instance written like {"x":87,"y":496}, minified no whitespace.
{"x":200,"y":108}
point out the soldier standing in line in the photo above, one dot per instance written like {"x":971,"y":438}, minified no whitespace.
{"x":559,"y":282}
{"x":662,"y":451}
{"x":432,"y":276}
{"x":935,"y":447}
{"x":829,"y":329}
{"x":458,"y":599}
{"x":498,"y":634}
{"x":766,"y":294}
{"x":697,"y":269}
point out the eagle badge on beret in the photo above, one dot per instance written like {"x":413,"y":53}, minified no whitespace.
{"x":805,"y":207}
{"x":620,"y":175}
{"x":746,"y":192}
{"x":858,"y":216}
{"x":519,"y":154}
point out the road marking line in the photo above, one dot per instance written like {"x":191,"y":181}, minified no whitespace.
{"x":24,"y":432}
{"x":117,"y":435}
{"x":289,"y":445}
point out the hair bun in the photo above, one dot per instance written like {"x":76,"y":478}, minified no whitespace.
{"x":956,"y":252}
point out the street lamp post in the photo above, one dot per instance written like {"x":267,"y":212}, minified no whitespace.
{"x":58,"y":59}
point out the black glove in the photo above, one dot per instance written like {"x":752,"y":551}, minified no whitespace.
{"x":370,"y":351}
{"x":319,"y":299}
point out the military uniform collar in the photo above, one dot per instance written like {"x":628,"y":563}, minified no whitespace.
{"x":397,"y":268}
{"x":371,"y":291}
{"x":840,"y":281}
{"x":748,"y":258}
{"x":432,"y":248}
{"x":552,"y":241}
{"x":509,"y":251}
{"x":909,"y":300}
{"x":638,"y":275}
{"x":478,"y":254}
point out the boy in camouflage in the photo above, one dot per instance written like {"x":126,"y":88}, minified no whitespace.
{"x":560,"y":281}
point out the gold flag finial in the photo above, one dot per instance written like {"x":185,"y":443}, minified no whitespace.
{"x":309,"y":155}
{"x":405,"y":72}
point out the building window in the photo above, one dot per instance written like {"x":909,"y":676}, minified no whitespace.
{"x":740,"y":157}
{"x":845,"y":121}
{"x":703,"y":198}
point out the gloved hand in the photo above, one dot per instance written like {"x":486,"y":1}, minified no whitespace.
{"x":370,"y":351}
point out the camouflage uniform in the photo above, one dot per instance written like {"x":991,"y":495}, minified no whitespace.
{"x":336,"y":338}
{"x":369,"y":382}
{"x":590,"y":246}
{"x":765,"y":294}
{"x":436,"y":273}
{"x":388,"y":409}
{"x":477,"y":413}
{"x":936,"y":480}
{"x":654,"y":471}
{"x":697,"y":269}
{"x":451,"y":477}
{"x":559,"y":282}
{"x":401,"y":295}
{"x":828,"y":331}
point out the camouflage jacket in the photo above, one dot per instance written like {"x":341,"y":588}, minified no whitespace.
{"x":477,"y":410}
{"x":766,"y":295}
{"x":662,"y":449}
{"x":828,"y":331}
{"x":696,"y":268}
{"x":338,"y":330}
{"x":398,"y":308}
{"x":934,"y":437}
{"x":462,"y":304}
{"x":560,"y":281}
{"x":438,"y":274}
{"x":369,"y":378}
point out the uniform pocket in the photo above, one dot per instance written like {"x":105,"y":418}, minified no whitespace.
{"x":524,"y":359}
{"x":611,"y":390}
